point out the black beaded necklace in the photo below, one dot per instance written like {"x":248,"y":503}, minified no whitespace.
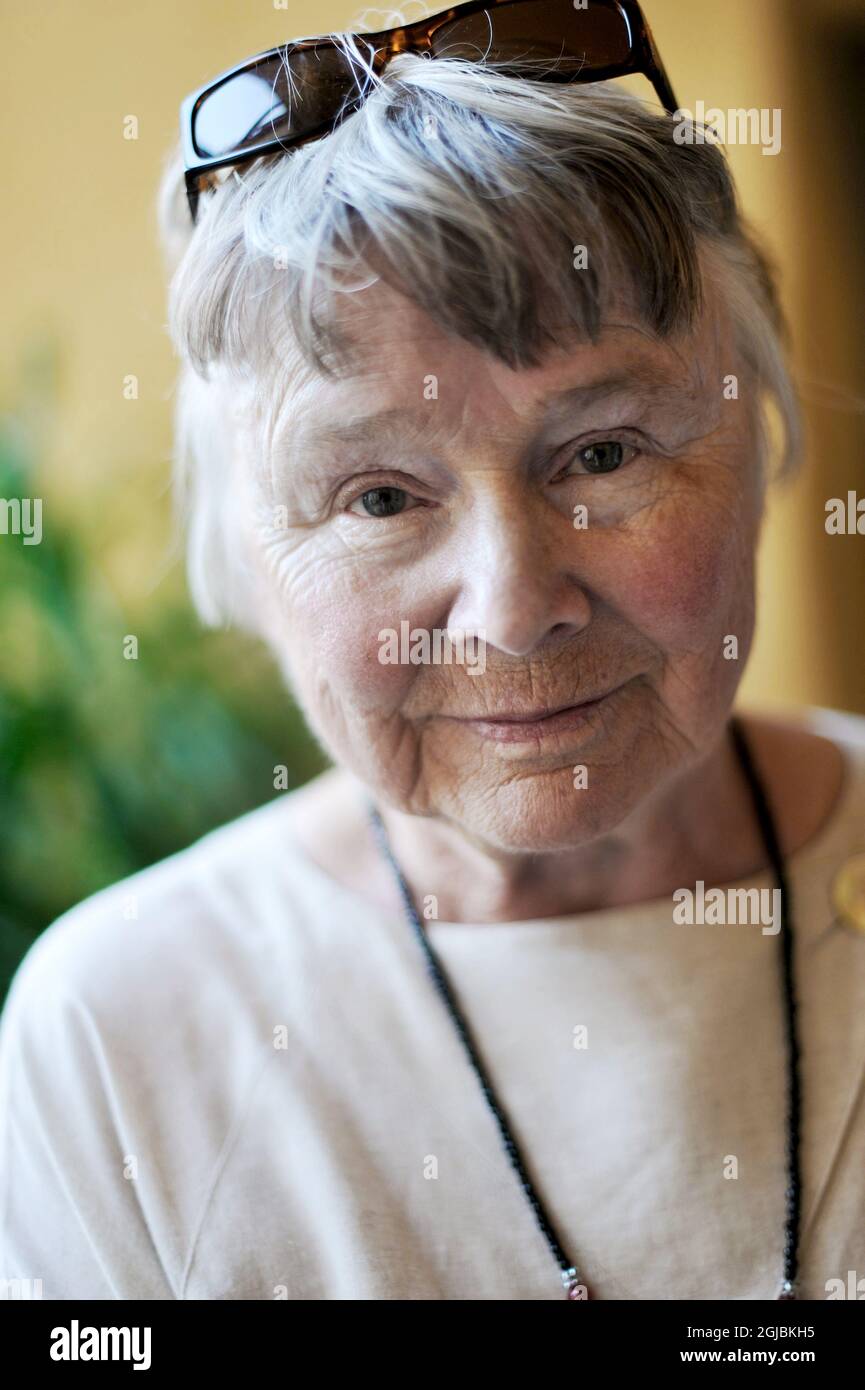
{"x":574,"y":1285}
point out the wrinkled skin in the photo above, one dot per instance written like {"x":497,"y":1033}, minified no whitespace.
{"x":638,"y":605}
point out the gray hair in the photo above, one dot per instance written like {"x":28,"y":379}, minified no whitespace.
{"x":466,"y":188}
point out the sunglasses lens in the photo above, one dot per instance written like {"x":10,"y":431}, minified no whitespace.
{"x":278,"y":99}
{"x":592,"y":38}
{"x":288,"y":97}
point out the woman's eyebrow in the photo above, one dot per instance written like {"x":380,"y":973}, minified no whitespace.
{"x":367,"y":429}
{"x":644,"y":380}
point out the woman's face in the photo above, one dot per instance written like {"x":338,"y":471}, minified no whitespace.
{"x":438,"y":488}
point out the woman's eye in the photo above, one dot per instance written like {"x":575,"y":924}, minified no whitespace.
{"x":601,"y":458}
{"x":380,"y":502}
{"x":604,"y":457}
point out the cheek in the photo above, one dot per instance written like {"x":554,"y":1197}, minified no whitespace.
{"x":327,"y":627}
{"x":687,"y":582}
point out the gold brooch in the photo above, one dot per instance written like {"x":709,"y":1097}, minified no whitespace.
{"x":848,"y":893}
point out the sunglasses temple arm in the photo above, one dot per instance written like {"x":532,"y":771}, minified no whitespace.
{"x":193,"y":190}
{"x":658,"y":74}
{"x":665,"y":91}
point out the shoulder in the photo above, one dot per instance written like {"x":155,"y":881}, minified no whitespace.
{"x":135,"y":1031}
{"x":813,"y":762}
{"x":194,"y":934}
{"x":805,"y":730}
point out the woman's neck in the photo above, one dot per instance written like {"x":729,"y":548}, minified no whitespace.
{"x":700,"y":825}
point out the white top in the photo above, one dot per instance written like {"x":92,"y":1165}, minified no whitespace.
{"x":250,"y":1089}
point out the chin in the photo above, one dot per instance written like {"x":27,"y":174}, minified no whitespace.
{"x":546,"y":813}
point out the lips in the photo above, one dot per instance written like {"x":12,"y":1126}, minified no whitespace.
{"x":532,"y":726}
{"x":533,"y":716}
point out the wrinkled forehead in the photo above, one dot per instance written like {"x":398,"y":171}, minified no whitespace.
{"x":396,"y":355}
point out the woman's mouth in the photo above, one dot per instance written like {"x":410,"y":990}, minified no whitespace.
{"x":516,"y":726}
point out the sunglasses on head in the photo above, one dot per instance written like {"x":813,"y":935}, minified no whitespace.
{"x":299,"y":91}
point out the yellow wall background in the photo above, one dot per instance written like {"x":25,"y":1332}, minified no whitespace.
{"x":81,"y":266}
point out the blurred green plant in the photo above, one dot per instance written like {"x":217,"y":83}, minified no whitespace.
{"x":109,"y":764}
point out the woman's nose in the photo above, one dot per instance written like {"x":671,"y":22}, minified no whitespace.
{"x":519,"y":579}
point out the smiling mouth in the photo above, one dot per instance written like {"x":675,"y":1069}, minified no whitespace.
{"x":512,"y":726}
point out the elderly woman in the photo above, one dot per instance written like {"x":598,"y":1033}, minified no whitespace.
{"x":551,"y":985}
